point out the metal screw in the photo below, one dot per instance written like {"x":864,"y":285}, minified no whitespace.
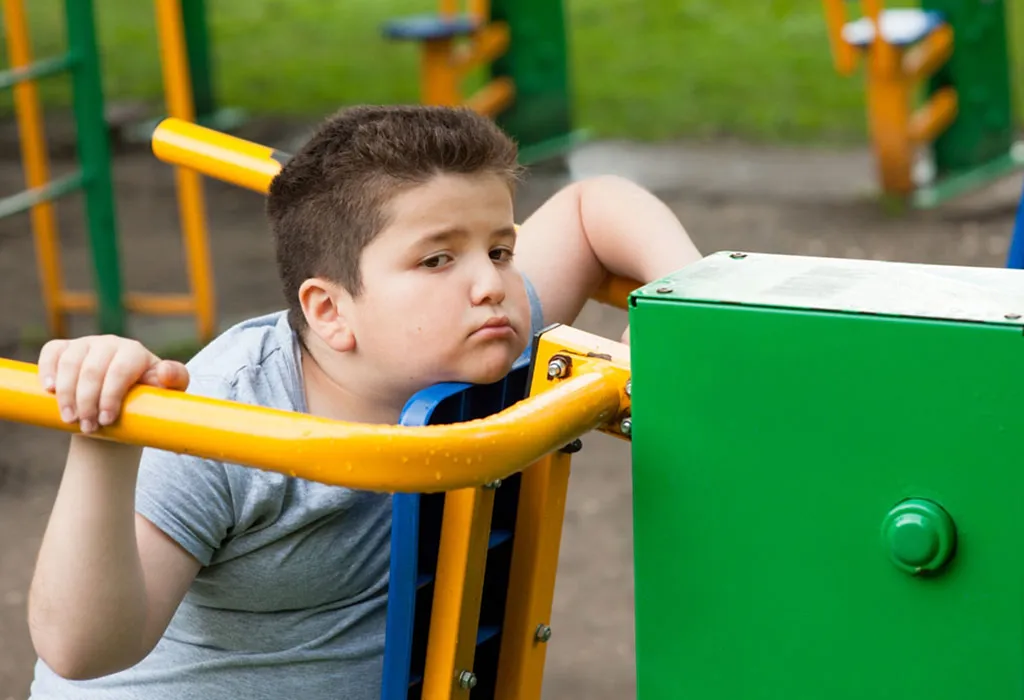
{"x":543,"y":633}
{"x":558,"y":368}
{"x":737,"y":256}
{"x":467,"y":679}
{"x":626,"y":426}
{"x":663,"y":290}
{"x":493,"y":484}
{"x":629,"y":387}
{"x":1011,"y":317}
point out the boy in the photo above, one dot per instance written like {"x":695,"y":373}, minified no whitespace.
{"x":168,"y":576}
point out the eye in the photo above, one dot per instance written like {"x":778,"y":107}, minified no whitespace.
{"x":435,"y":261}
{"x":501,"y":254}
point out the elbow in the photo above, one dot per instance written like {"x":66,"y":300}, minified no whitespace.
{"x":77,"y":658}
{"x":79,"y":665}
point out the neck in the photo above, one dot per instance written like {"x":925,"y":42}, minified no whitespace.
{"x":338,"y":390}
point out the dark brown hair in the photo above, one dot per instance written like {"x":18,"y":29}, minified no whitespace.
{"x":330,"y":199}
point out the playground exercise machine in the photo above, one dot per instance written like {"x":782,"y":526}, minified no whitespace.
{"x":813,"y":517}
{"x":955,"y":49}
{"x":522,"y":47}
{"x":179,"y":60}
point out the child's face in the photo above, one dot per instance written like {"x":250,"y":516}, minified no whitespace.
{"x":441,"y":299}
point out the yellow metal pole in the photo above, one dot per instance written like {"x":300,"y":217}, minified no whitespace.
{"x":191,"y":206}
{"x":217,"y":155}
{"x":455,"y":616}
{"x":542,"y":495}
{"x":35,"y":163}
{"x":353,"y":455}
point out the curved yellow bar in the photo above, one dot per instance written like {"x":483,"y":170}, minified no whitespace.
{"x":217,"y":155}
{"x":354,"y":455}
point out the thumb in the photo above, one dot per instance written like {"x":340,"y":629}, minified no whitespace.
{"x":168,"y":374}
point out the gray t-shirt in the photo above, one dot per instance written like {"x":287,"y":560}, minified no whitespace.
{"x":291,"y":598}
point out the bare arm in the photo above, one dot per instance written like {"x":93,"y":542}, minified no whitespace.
{"x":592,"y":228}
{"x":106,"y":581}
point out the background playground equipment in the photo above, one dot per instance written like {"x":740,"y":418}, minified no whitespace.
{"x":958,"y":50}
{"x":754,"y":556}
{"x":523,"y":47}
{"x":94,"y":174}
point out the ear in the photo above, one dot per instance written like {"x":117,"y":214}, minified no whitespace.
{"x":325,"y":304}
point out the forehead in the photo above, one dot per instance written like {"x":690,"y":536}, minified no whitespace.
{"x":449,"y":201}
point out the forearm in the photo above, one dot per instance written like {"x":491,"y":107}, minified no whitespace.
{"x":87,"y":607}
{"x":631,"y":232}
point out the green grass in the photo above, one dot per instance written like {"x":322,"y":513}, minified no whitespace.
{"x":646,"y":69}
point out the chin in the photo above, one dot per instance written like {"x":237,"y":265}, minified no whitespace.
{"x":489,"y":370}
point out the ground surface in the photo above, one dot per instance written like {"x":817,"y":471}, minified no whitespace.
{"x":729,"y":196}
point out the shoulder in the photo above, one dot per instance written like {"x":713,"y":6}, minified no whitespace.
{"x":252,"y":362}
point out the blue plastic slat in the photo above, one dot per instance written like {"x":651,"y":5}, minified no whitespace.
{"x":430,"y":27}
{"x":1015,"y":257}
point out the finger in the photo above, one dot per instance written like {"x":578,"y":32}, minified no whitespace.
{"x":91,"y":377}
{"x":166,"y":374}
{"x":625,"y":336}
{"x":126,"y":369}
{"x":65,"y":382}
{"x":48,"y":357}
{"x":172,"y":375}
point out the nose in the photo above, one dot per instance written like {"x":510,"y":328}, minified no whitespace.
{"x":488,"y":286}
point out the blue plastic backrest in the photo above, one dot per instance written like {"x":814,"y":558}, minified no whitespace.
{"x":415,"y":539}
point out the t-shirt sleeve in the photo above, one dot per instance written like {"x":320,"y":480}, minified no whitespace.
{"x":536,"y":312}
{"x":187,"y":497}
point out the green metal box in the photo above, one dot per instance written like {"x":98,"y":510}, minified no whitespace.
{"x":828,"y":481}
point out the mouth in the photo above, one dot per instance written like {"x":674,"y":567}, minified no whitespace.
{"x":495,"y":327}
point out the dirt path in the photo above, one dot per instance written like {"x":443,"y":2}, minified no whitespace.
{"x":729,"y":197}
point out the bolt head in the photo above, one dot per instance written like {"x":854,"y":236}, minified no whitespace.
{"x":629,"y":387}
{"x":467,"y":679}
{"x":737,"y":256}
{"x":626,"y":426}
{"x":557,"y":368}
{"x":664,"y":290}
{"x":543,"y":633}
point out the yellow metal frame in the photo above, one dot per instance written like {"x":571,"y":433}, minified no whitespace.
{"x":35,"y":161}
{"x":893,"y":74}
{"x":445,"y":63}
{"x":376,"y":457}
{"x":191,"y":203}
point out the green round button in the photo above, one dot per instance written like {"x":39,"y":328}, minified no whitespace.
{"x":920,"y":535}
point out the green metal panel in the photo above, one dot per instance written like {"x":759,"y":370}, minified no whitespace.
{"x":980,"y":71}
{"x":538,"y":63}
{"x":94,"y":157}
{"x":782,"y":408}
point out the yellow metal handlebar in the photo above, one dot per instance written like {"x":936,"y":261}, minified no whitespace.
{"x":354,"y":455}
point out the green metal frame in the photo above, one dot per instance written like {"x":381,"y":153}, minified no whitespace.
{"x":978,"y":147}
{"x":94,"y":176}
{"x":537,"y":61}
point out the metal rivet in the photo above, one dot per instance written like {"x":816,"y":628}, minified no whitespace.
{"x":543,"y":633}
{"x":737,"y":256}
{"x":467,"y":679}
{"x":1011,"y":317}
{"x":558,"y":368}
{"x":493,"y":484}
{"x":626,"y":426}
{"x":629,"y":387}
{"x":573,"y":447}
{"x":663,"y":290}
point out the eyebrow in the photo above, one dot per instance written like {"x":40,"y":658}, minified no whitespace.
{"x":458,"y":233}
